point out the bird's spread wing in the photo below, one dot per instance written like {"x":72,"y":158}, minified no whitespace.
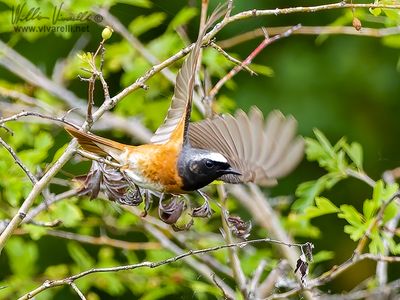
{"x":177,"y":120}
{"x":262,"y":151}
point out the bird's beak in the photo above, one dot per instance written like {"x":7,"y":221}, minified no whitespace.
{"x":232,"y":171}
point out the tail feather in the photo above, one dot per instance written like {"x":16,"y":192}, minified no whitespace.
{"x":96,"y":144}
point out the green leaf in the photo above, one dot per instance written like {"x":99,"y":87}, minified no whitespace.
{"x":355,"y":232}
{"x":324,"y":142}
{"x":22,"y":256}
{"x":143,"y":24}
{"x":35,"y":232}
{"x":56,"y":271}
{"x":68,"y":213}
{"x":182,"y":17}
{"x":355,"y":152}
{"x":351,"y":215}
{"x":138,"y":3}
{"x":323,"y":256}
{"x":307,"y":191}
{"x":322,"y":207}
{"x":261,"y":69}
{"x":375,"y":11}
{"x":369,"y":209}
{"x":376,"y":246}
{"x":390,"y":212}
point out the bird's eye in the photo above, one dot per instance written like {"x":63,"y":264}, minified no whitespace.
{"x":209,"y":164}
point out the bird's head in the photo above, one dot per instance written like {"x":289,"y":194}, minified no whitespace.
{"x":199,"y":167}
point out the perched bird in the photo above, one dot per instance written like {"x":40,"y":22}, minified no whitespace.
{"x":184,"y":157}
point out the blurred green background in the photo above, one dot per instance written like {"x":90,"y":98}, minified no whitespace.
{"x":343,"y":85}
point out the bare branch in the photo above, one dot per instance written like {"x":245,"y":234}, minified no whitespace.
{"x":49,"y":284}
{"x":77,"y":290}
{"x":44,"y":205}
{"x":234,"y":261}
{"x":310,"y":30}
{"x":361,"y":176}
{"x":267,"y":40}
{"x":24,"y":168}
{"x":334,"y":272}
{"x":232,"y":59}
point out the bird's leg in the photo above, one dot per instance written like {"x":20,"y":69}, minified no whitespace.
{"x":203,"y":211}
{"x":171,"y":211}
{"x":147,"y":203}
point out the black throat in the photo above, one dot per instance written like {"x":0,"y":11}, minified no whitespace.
{"x":197,"y":169}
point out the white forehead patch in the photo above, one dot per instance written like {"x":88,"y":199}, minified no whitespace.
{"x":214,"y":156}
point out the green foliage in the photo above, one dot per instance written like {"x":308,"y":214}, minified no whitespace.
{"x":338,"y":160}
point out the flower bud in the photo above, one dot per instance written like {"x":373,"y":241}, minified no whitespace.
{"x":107,"y":33}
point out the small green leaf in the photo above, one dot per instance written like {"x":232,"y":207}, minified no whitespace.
{"x":261,"y":69}
{"x":56,"y":271}
{"x":323,"y":256}
{"x":369,"y":209}
{"x":35,"y":232}
{"x":138,"y":3}
{"x":326,"y":145}
{"x":22,"y":256}
{"x":143,"y":24}
{"x":390,"y":212}
{"x":182,"y":17}
{"x":323,"y":207}
{"x":355,"y":152}
{"x":375,"y":11}
{"x":376,"y":246}
{"x":351,"y":215}
{"x":68,"y":213}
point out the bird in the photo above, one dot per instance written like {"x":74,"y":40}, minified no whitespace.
{"x":185,"y":156}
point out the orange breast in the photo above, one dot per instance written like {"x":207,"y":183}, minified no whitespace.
{"x":158,"y":164}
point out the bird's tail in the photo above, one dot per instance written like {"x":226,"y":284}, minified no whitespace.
{"x":96,"y":144}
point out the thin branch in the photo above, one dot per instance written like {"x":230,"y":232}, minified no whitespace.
{"x":310,"y":30}
{"x":13,"y":94}
{"x":382,"y":267}
{"x":307,"y":9}
{"x":98,"y":158}
{"x":224,"y":293}
{"x":53,"y":283}
{"x":268,"y":285}
{"x":267,"y":41}
{"x":35,"y":114}
{"x":376,"y":222}
{"x":334,"y":272}
{"x":234,"y":260}
{"x":253,"y":284}
{"x":182,"y":239}
{"x":264,"y":214}
{"x":361,"y":176}
{"x":24,"y":168}
{"x":77,"y":290}
{"x":232,"y":59}
{"x":45,"y":204}
{"x":35,"y":192}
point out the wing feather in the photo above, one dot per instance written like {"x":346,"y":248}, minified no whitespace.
{"x":262,"y":151}
{"x":177,"y":120}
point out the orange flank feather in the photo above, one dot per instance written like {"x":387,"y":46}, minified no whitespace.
{"x":149,"y":166}
{"x":158,"y":164}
